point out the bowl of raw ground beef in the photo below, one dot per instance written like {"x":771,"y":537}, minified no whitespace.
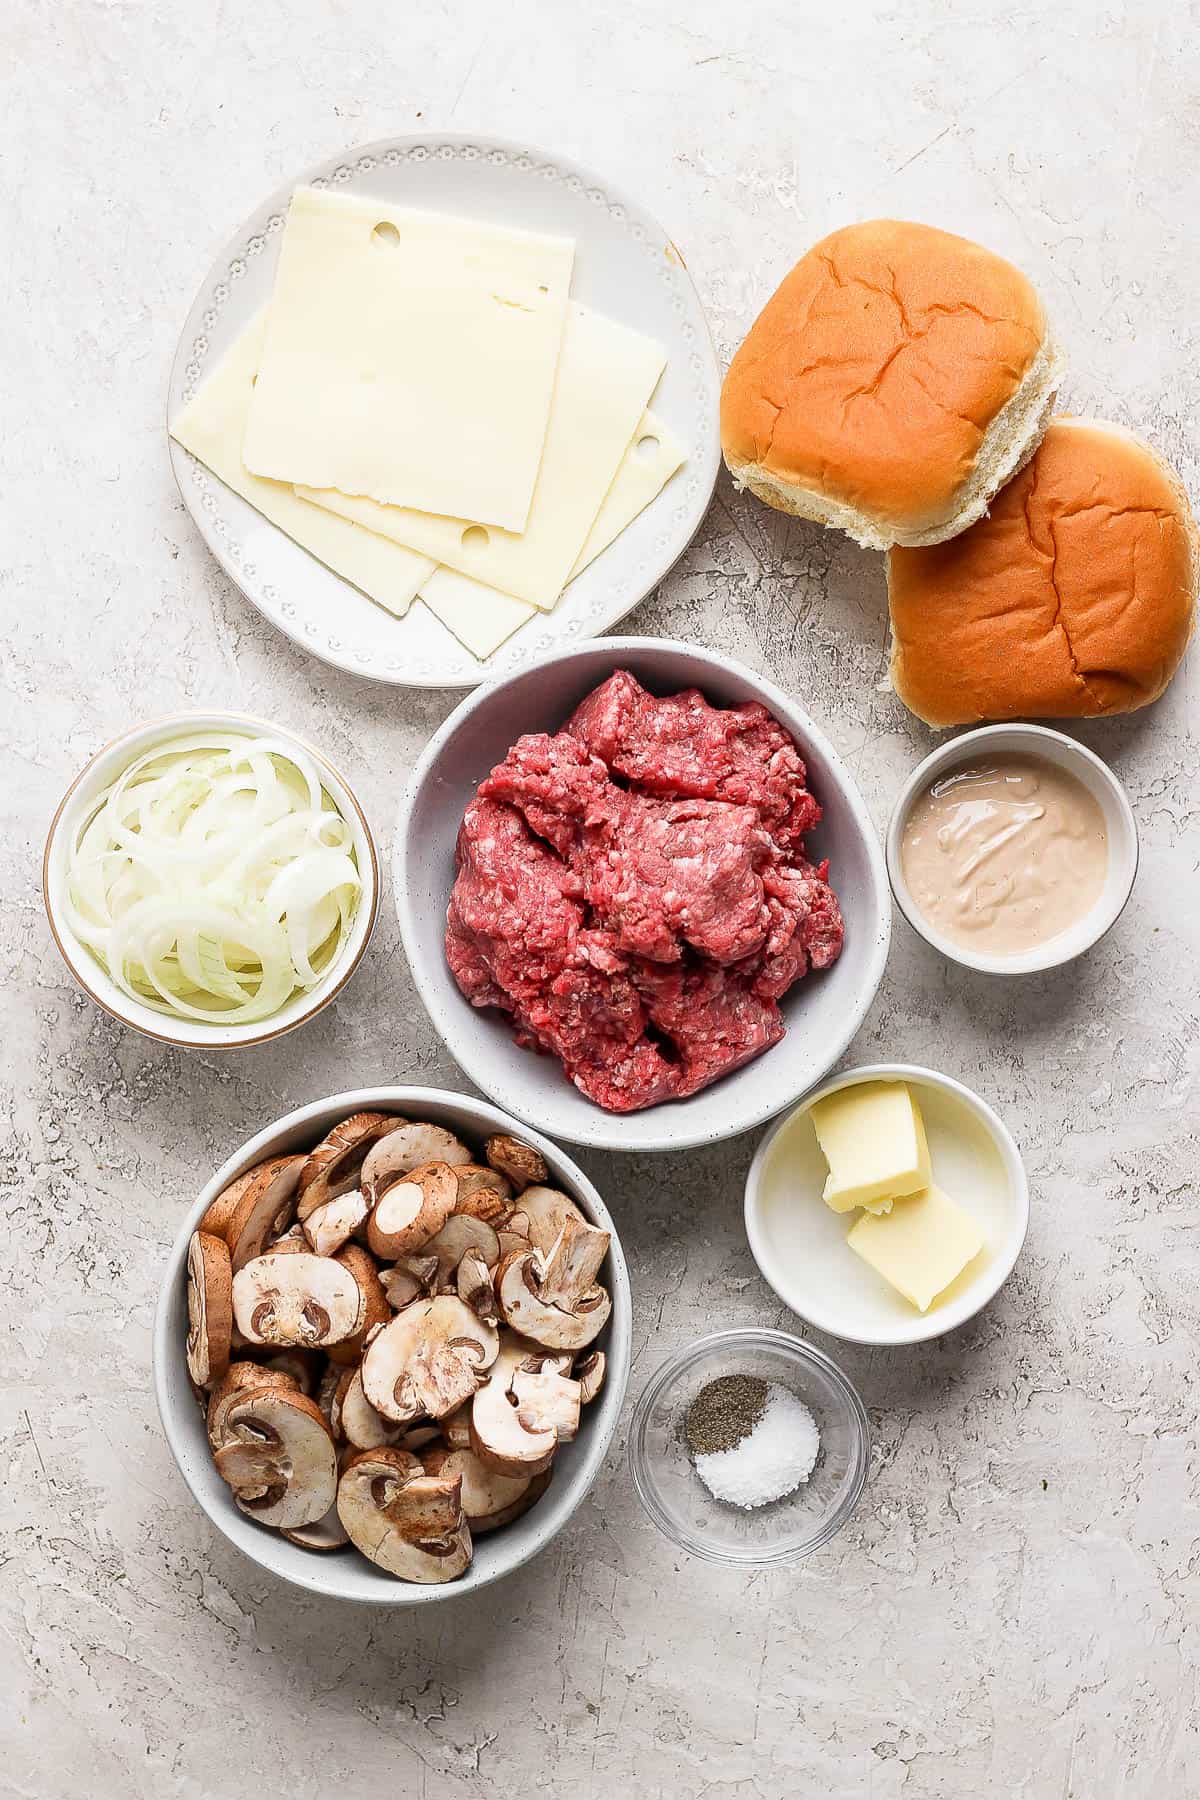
{"x":640,"y":894}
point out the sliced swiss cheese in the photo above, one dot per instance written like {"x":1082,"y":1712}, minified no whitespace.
{"x":211,"y":428}
{"x":482,"y":618}
{"x":410,"y":357}
{"x":606,"y":374}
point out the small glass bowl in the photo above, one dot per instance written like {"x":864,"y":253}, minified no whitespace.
{"x":787,"y":1529}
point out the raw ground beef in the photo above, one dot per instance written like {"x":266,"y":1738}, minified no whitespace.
{"x":634,"y":892}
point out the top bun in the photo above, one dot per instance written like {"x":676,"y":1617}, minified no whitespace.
{"x":1073,"y":598}
{"x":893,"y":382}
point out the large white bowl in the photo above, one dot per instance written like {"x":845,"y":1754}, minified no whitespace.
{"x":823,"y":1011}
{"x":198,"y":1034}
{"x":344,"y":1574}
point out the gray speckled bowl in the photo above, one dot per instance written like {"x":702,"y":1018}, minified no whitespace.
{"x":822,"y":1012}
{"x":344,"y":1574}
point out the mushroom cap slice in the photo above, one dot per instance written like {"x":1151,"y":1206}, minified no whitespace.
{"x":539,"y":1216}
{"x":410,"y":1280}
{"x":430,"y":1359}
{"x":456,"y":1428}
{"x":488,"y":1498}
{"x":276,"y":1453}
{"x":335,"y":1165}
{"x":547,"y":1401}
{"x":411,"y":1209}
{"x":523,"y":1165}
{"x":590,"y":1371}
{"x":221,"y":1210}
{"x":355,"y":1419}
{"x":312,"y":1301}
{"x":210,"y":1308}
{"x":327,"y":1533}
{"x":408,"y":1148}
{"x":476,"y":1289}
{"x":376,"y":1311}
{"x":482,"y":1193}
{"x":407,"y":1522}
{"x":239,"y":1379}
{"x":265,"y":1210}
{"x":499,"y":1437}
{"x":573,"y":1263}
{"x":518,"y":1291}
{"x":460,"y":1235}
{"x":293,"y":1239}
{"x":334,"y":1224}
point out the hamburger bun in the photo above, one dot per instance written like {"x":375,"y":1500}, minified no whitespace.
{"x":1074,"y":597}
{"x":894,"y":381}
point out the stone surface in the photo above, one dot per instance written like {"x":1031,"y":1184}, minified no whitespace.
{"x":1014,"y":1610}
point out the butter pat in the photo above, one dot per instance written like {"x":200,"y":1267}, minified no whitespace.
{"x":873,"y":1137}
{"x":921,"y":1246}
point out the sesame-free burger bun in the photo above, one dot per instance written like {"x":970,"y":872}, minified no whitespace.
{"x":892,"y":383}
{"x":1073,"y":598}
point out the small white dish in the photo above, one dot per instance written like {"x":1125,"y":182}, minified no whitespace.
{"x":625,"y":266}
{"x":1054,"y":747}
{"x":799,"y":1243}
{"x":344,"y":1574}
{"x":822,"y":1012}
{"x":73,"y":809}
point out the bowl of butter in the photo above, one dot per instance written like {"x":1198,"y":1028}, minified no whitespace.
{"x":889,"y":1206}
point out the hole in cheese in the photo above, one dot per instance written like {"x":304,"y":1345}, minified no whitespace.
{"x":475,"y":537}
{"x":646,"y":446}
{"x":385,"y":234}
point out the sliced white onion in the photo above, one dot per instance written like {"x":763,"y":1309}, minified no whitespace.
{"x":215,"y":878}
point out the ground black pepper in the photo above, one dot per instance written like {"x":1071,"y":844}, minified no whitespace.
{"x":724,"y":1412}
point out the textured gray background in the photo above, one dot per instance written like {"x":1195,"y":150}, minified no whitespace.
{"x":1014,"y":1611}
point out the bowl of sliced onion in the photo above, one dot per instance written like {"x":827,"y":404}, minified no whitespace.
{"x":211,"y":880}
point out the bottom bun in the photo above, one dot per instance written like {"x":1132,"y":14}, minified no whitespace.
{"x":1073,"y":598}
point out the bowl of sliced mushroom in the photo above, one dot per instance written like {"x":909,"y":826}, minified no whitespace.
{"x":392,"y":1344}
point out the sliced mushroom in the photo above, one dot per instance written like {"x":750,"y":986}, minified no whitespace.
{"x":489,"y":1499}
{"x":539,"y":1216}
{"x":408,"y":1148}
{"x":355,"y":1419}
{"x":221,"y":1210}
{"x":573,"y":1263}
{"x":327,"y":1533}
{"x":462,"y":1233}
{"x":428,"y":1360}
{"x":409,"y":1523}
{"x":518,"y":1290}
{"x":312,"y":1301}
{"x":511,"y":1242}
{"x":411,"y":1210}
{"x":473,"y":1281}
{"x":326,"y":1394}
{"x":482,"y":1193}
{"x":456,"y":1428}
{"x":412,"y":1279}
{"x":590,"y":1371}
{"x":499,"y":1437}
{"x":335,"y":1166}
{"x":376,"y":1311}
{"x":209,"y":1304}
{"x":334,"y":1224}
{"x":420,"y":1437}
{"x":277,"y":1455}
{"x":294,"y":1239}
{"x":265,"y":1210}
{"x":547,"y":1401}
{"x":523,"y":1165}
{"x":240,"y":1379}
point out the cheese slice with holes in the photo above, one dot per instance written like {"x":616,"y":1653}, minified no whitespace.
{"x":482,"y":618}
{"x":606,"y":374}
{"x":211,"y":427}
{"x":410,"y":357}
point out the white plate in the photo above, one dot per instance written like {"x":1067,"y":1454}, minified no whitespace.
{"x":625,"y":265}
{"x":799,"y":1243}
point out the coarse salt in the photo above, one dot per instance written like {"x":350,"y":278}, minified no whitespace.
{"x":774,"y":1457}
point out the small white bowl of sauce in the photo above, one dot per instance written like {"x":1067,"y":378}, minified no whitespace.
{"x":1012,"y":849}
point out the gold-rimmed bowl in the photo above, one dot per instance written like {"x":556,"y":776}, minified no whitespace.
{"x":75,"y":807}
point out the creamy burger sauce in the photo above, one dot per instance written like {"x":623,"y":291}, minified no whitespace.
{"x":1004,"y":853}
